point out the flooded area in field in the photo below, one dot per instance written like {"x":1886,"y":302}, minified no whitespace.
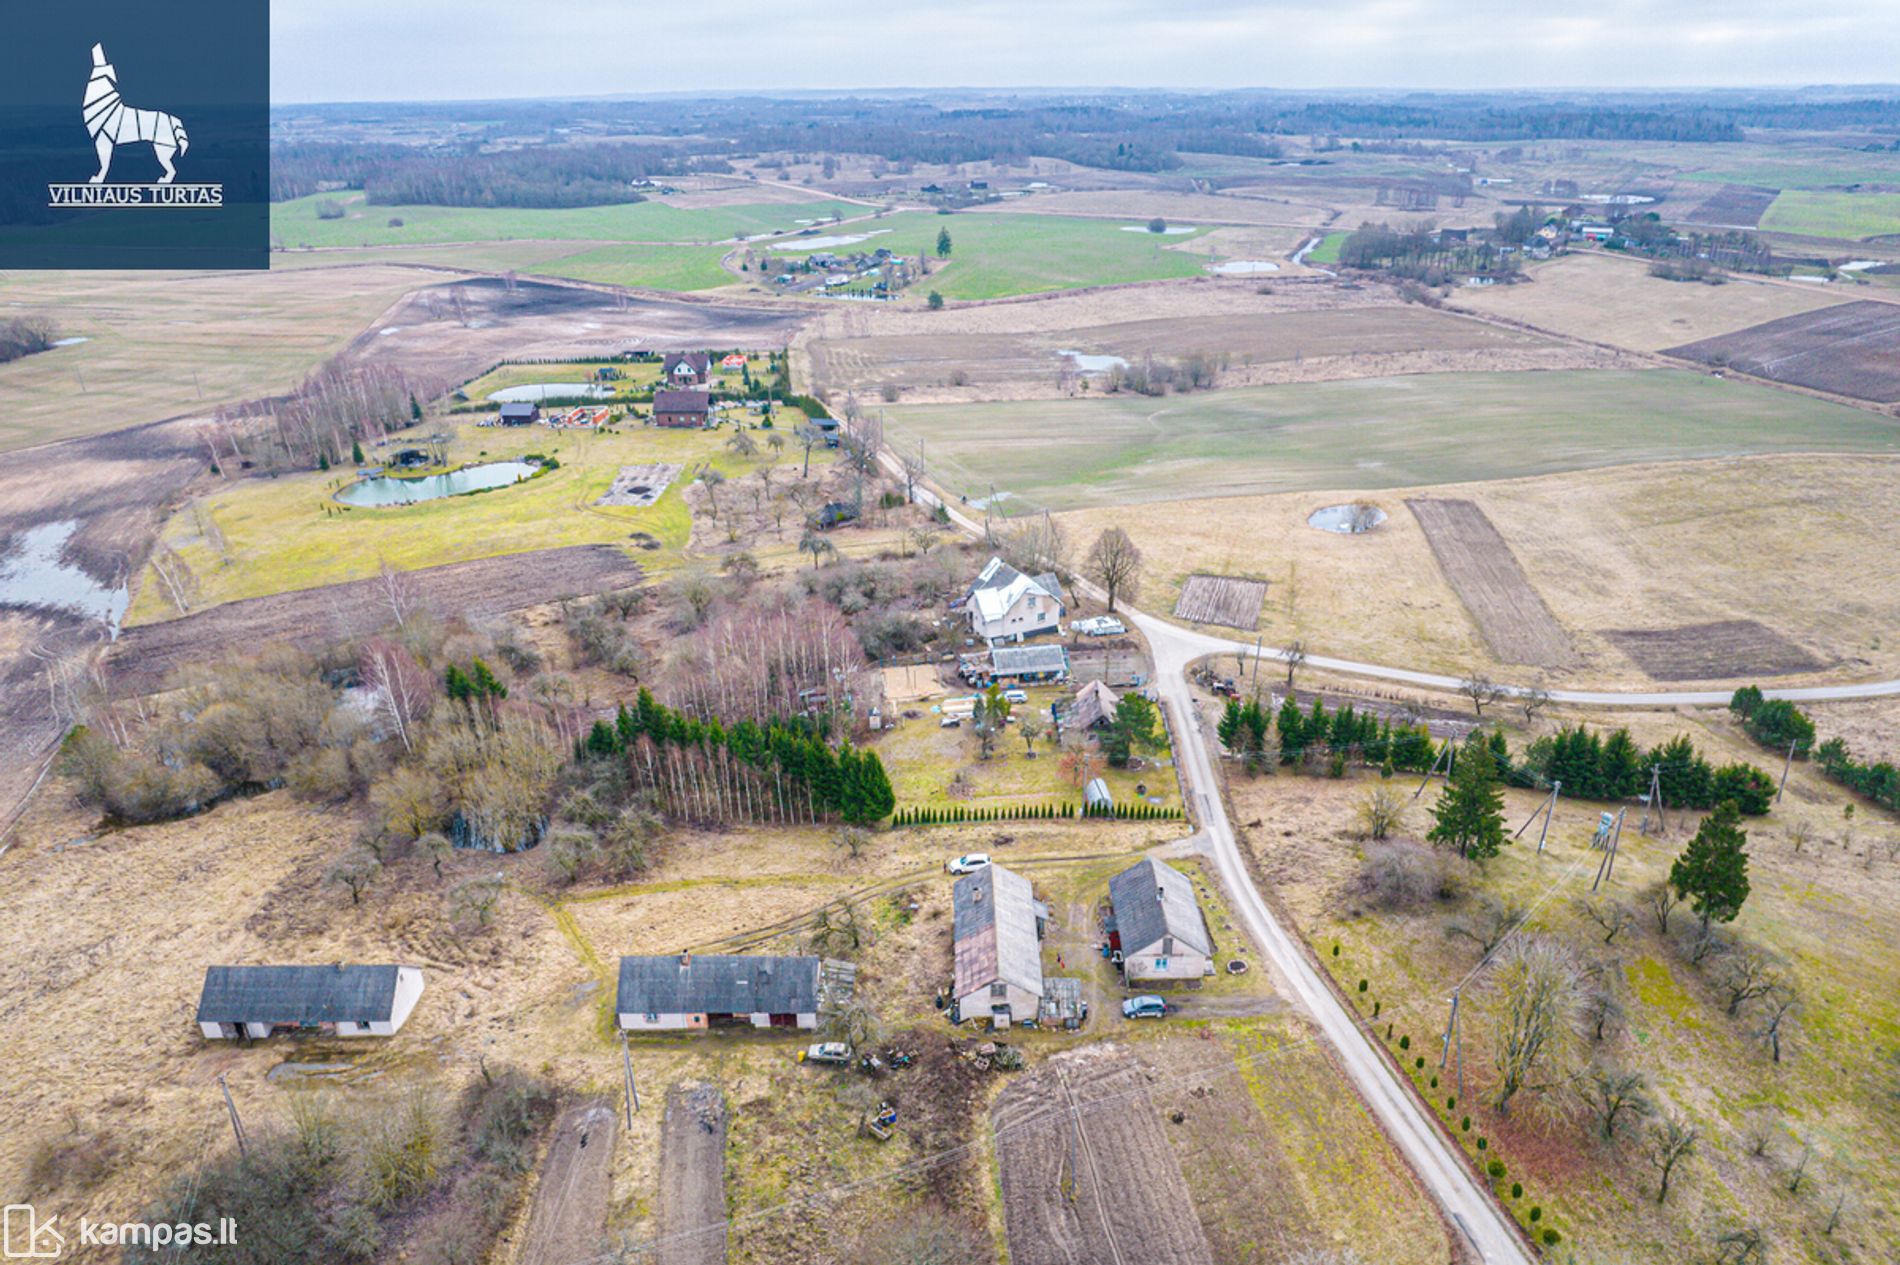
{"x":535,"y":392}
{"x":33,"y":574}
{"x":1346,"y":520}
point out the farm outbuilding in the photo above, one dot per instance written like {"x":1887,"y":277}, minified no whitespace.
{"x":997,"y":927}
{"x":1095,"y":704}
{"x":522,"y":414}
{"x":338,"y":1000}
{"x":1003,"y":603}
{"x":1158,"y":924}
{"x":681,"y":408}
{"x":1029,"y":663}
{"x":691,"y":992}
{"x":1095,"y":795}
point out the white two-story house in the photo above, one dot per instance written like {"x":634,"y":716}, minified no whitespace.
{"x":1006,"y":605}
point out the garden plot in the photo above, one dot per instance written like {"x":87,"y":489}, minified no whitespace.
{"x":569,"y":1220}
{"x":147,"y":655}
{"x":1484,"y":572}
{"x":1853,"y":349}
{"x":1221,"y":599}
{"x":1734,"y":206}
{"x":1714,"y":652}
{"x":692,"y":1177}
{"x":639,"y":486}
{"x":1087,"y":1172}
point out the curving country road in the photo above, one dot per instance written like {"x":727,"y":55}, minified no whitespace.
{"x":1440,"y":1166}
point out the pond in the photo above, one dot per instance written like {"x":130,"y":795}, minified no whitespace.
{"x":1243,"y":267}
{"x":536,"y":392}
{"x":32,"y":574}
{"x":384,"y":490}
{"x":1346,"y":520}
{"x":1088,"y":363}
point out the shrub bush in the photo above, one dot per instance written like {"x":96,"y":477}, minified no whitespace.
{"x":1517,"y":1190}
{"x":1537,"y":1213}
{"x":1405,"y":1042}
{"x":1495,"y":1168}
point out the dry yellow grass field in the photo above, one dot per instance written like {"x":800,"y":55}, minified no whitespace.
{"x":1808,"y":546}
{"x":1825,"y":912}
{"x":1608,"y":299}
{"x":162,"y":344}
{"x":1138,"y":206}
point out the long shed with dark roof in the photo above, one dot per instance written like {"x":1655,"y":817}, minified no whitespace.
{"x":703,"y":990}
{"x":338,"y":1000}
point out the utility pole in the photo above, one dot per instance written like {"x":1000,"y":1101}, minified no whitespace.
{"x":1654,"y":797}
{"x":1607,"y":866}
{"x":1544,"y":810}
{"x":632,"y":1100}
{"x":237,"y":1125}
{"x":1443,"y":757}
{"x":1454,"y":1033}
{"x":1785,"y":764}
{"x":1256,"y":656}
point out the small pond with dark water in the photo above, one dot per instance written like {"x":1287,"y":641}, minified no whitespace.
{"x":384,"y":490}
{"x":1346,"y":520}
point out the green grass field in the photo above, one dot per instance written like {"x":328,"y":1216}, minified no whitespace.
{"x":296,"y":224}
{"x":649,"y":267}
{"x":997,"y":255}
{"x":1826,"y":213}
{"x":1371,"y":433}
{"x":1327,"y":252}
{"x":288,"y":533}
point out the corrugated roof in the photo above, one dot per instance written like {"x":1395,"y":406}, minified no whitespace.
{"x":718,"y":984}
{"x":1026,"y":660}
{"x":298,"y":994}
{"x":1153,"y":899}
{"x":994,"y":925}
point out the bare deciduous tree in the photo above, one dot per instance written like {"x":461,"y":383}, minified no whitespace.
{"x":1662,"y":900}
{"x":1487,"y":925}
{"x":1295,"y":655}
{"x":398,"y":592}
{"x":1115,"y":563}
{"x":356,"y":871}
{"x":1777,"y":1016}
{"x":1613,"y":916}
{"x":1381,"y":811}
{"x":1669,"y":1142}
{"x":1480,"y":689}
{"x":1617,"y":1097}
{"x":402,"y":690}
{"x":476,"y":899}
{"x":1746,"y":976}
{"x":1534,"y":1000}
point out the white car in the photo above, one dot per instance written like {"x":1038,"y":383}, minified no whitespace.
{"x":1016,"y":696}
{"x":1101,"y":626}
{"x":836,"y":1052}
{"x":969,"y":863}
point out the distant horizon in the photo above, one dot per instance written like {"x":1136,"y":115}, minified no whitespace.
{"x":370,"y":52}
{"x":1872,"y":89}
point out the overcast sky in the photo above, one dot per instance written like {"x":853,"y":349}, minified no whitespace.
{"x":359,"y":50}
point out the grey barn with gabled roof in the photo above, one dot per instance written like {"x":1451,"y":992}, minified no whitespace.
{"x":338,"y":1000}
{"x":996,"y":930}
{"x":1158,"y":923}
{"x":672,"y":992}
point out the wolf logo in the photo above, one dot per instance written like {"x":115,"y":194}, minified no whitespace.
{"x":113,"y":123}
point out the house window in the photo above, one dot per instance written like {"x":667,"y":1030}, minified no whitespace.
{"x":1161,"y":964}
{"x":1167,"y":944}
{"x":999,"y":989}
{"x":653,"y":1016}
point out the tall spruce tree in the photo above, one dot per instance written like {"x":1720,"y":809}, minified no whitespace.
{"x":1469,"y":814}
{"x":1712,"y":872}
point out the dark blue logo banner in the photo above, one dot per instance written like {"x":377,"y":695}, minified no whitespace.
{"x":135,"y":134}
